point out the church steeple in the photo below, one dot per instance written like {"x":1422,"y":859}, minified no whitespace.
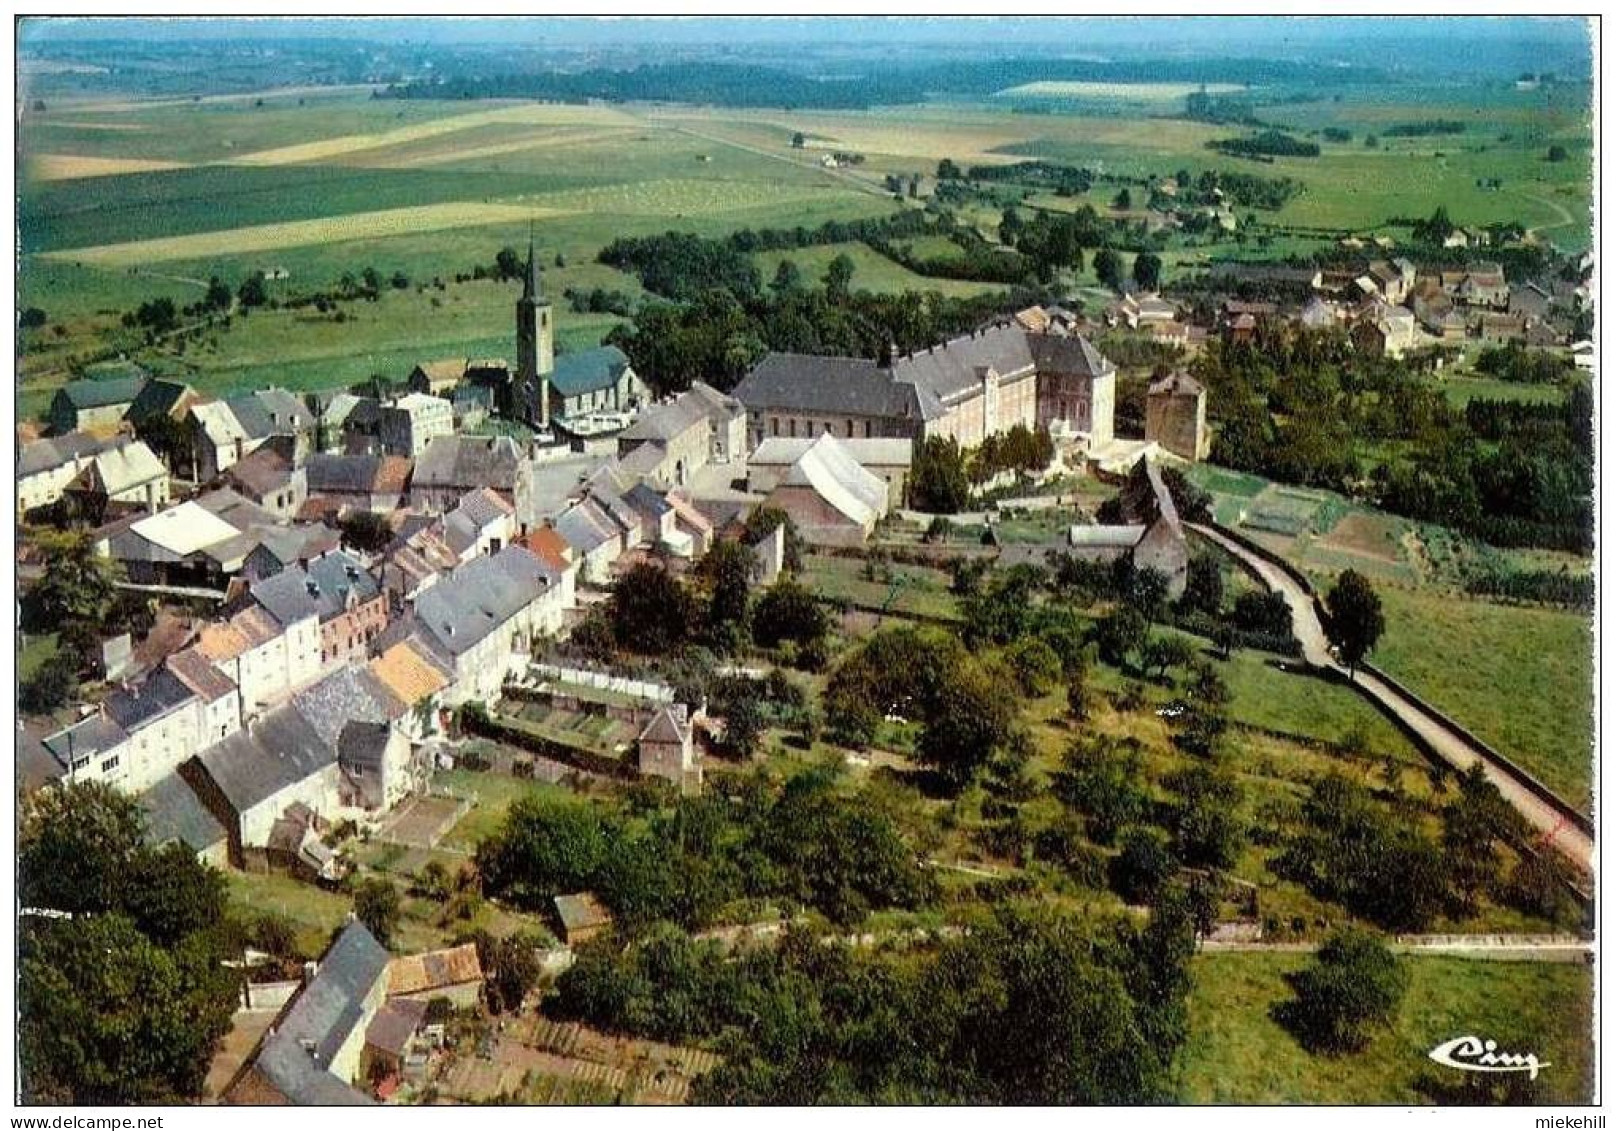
{"x":535,"y":346}
{"x":531,"y":288}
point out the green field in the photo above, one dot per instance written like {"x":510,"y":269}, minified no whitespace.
{"x":311,"y":186}
{"x":1520,"y":678}
{"x":872,"y":271}
{"x":1237,"y":1053}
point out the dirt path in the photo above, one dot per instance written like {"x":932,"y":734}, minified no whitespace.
{"x":1491,"y":948}
{"x":1556,"y":820}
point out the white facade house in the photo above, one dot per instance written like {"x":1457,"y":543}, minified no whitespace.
{"x":481,"y":622}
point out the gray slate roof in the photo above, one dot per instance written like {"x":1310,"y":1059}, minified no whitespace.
{"x":362,"y":745}
{"x":90,"y":393}
{"x":88,"y":737}
{"x":588,"y":370}
{"x":804,"y":382}
{"x":287,"y":596}
{"x":155,"y":696}
{"x":337,"y":575}
{"x":321,"y":1018}
{"x":175,"y":813}
{"x":466,"y":462}
{"x":42,"y":455}
{"x":482,"y":595}
{"x":281,"y":750}
{"x":347,"y":695}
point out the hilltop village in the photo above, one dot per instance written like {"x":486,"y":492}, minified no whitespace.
{"x":335,"y":600}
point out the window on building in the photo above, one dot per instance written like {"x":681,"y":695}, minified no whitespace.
{"x":849,"y":429}
{"x":109,"y":765}
{"x":774,"y":426}
{"x":866,"y":429}
{"x":80,"y":764}
{"x":793,"y":428}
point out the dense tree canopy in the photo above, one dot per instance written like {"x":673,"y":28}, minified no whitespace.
{"x":123,"y":1002}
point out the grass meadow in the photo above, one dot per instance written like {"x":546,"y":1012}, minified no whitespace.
{"x":1520,"y":678}
{"x":1238,"y":1054}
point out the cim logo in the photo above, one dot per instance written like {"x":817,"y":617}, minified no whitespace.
{"x":1472,"y":1054}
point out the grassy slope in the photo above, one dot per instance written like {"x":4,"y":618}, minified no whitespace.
{"x":1521,"y":678}
{"x":1238,"y":1054}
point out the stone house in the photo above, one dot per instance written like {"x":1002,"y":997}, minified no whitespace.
{"x":667,"y":749}
{"x":351,"y":607}
{"x":46,"y":467}
{"x":314,"y":1054}
{"x":450,"y":466}
{"x":122,"y":477}
{"x":269,"y":479}
{"x":94,"y":405}
{"x":1175,"y":416}
{"x":1150,"y":533}
{"x":670,"y":442}
{"x":406,"y":426}
{"x":364,"y":482}
{"x":482,"y":620}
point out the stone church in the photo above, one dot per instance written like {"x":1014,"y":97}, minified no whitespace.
{"x":527,"y":393}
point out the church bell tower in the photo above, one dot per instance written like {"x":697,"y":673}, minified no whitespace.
{"x":535,"y":348}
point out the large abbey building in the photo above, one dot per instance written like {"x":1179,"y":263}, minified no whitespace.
{"x":967,"y":388}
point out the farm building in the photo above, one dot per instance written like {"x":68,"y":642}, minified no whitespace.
{"x":1175,"y":416}
{"x":314,"y":1054}
{"x":454,"y":973}
{"x":94,"y":405}
{"x":831,"y":499}
{"x":888,"y":459}
{"x":1150,"y":532}
{"x":583,"y":917}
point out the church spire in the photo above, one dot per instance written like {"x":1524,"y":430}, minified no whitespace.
{"x":530,"y":282}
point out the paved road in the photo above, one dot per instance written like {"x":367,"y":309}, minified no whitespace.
{"x":1453,"y":748}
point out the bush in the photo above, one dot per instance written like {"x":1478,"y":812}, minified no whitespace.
{"x":1353,"y":986}
{"x":1037,"y":668}
{"x":1143,"y":867}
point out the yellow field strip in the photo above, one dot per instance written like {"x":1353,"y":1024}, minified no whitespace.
{"x":304,"y":233}
{"x":557,"y":140}
{"x":68,"y":166}
{"x":536,"y":114}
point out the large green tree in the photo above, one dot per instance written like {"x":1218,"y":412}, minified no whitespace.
{"x":1356,"y":620}
{"x":122,"y":995}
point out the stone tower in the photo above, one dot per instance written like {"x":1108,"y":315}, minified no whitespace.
{"x":535,"y":349}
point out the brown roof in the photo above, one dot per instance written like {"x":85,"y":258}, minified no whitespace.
{"x":394,"y":1024}
{"x":548,"y":545}
{"x":405,"y":673}
{"x":193,"y":668}
{"x":222,"y":642}
{"x":581,"y":911}
{"x":392,"y":475}
{"x":445,"y":369}
{"x":436,"y":969}
{"x":260,"y":473}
